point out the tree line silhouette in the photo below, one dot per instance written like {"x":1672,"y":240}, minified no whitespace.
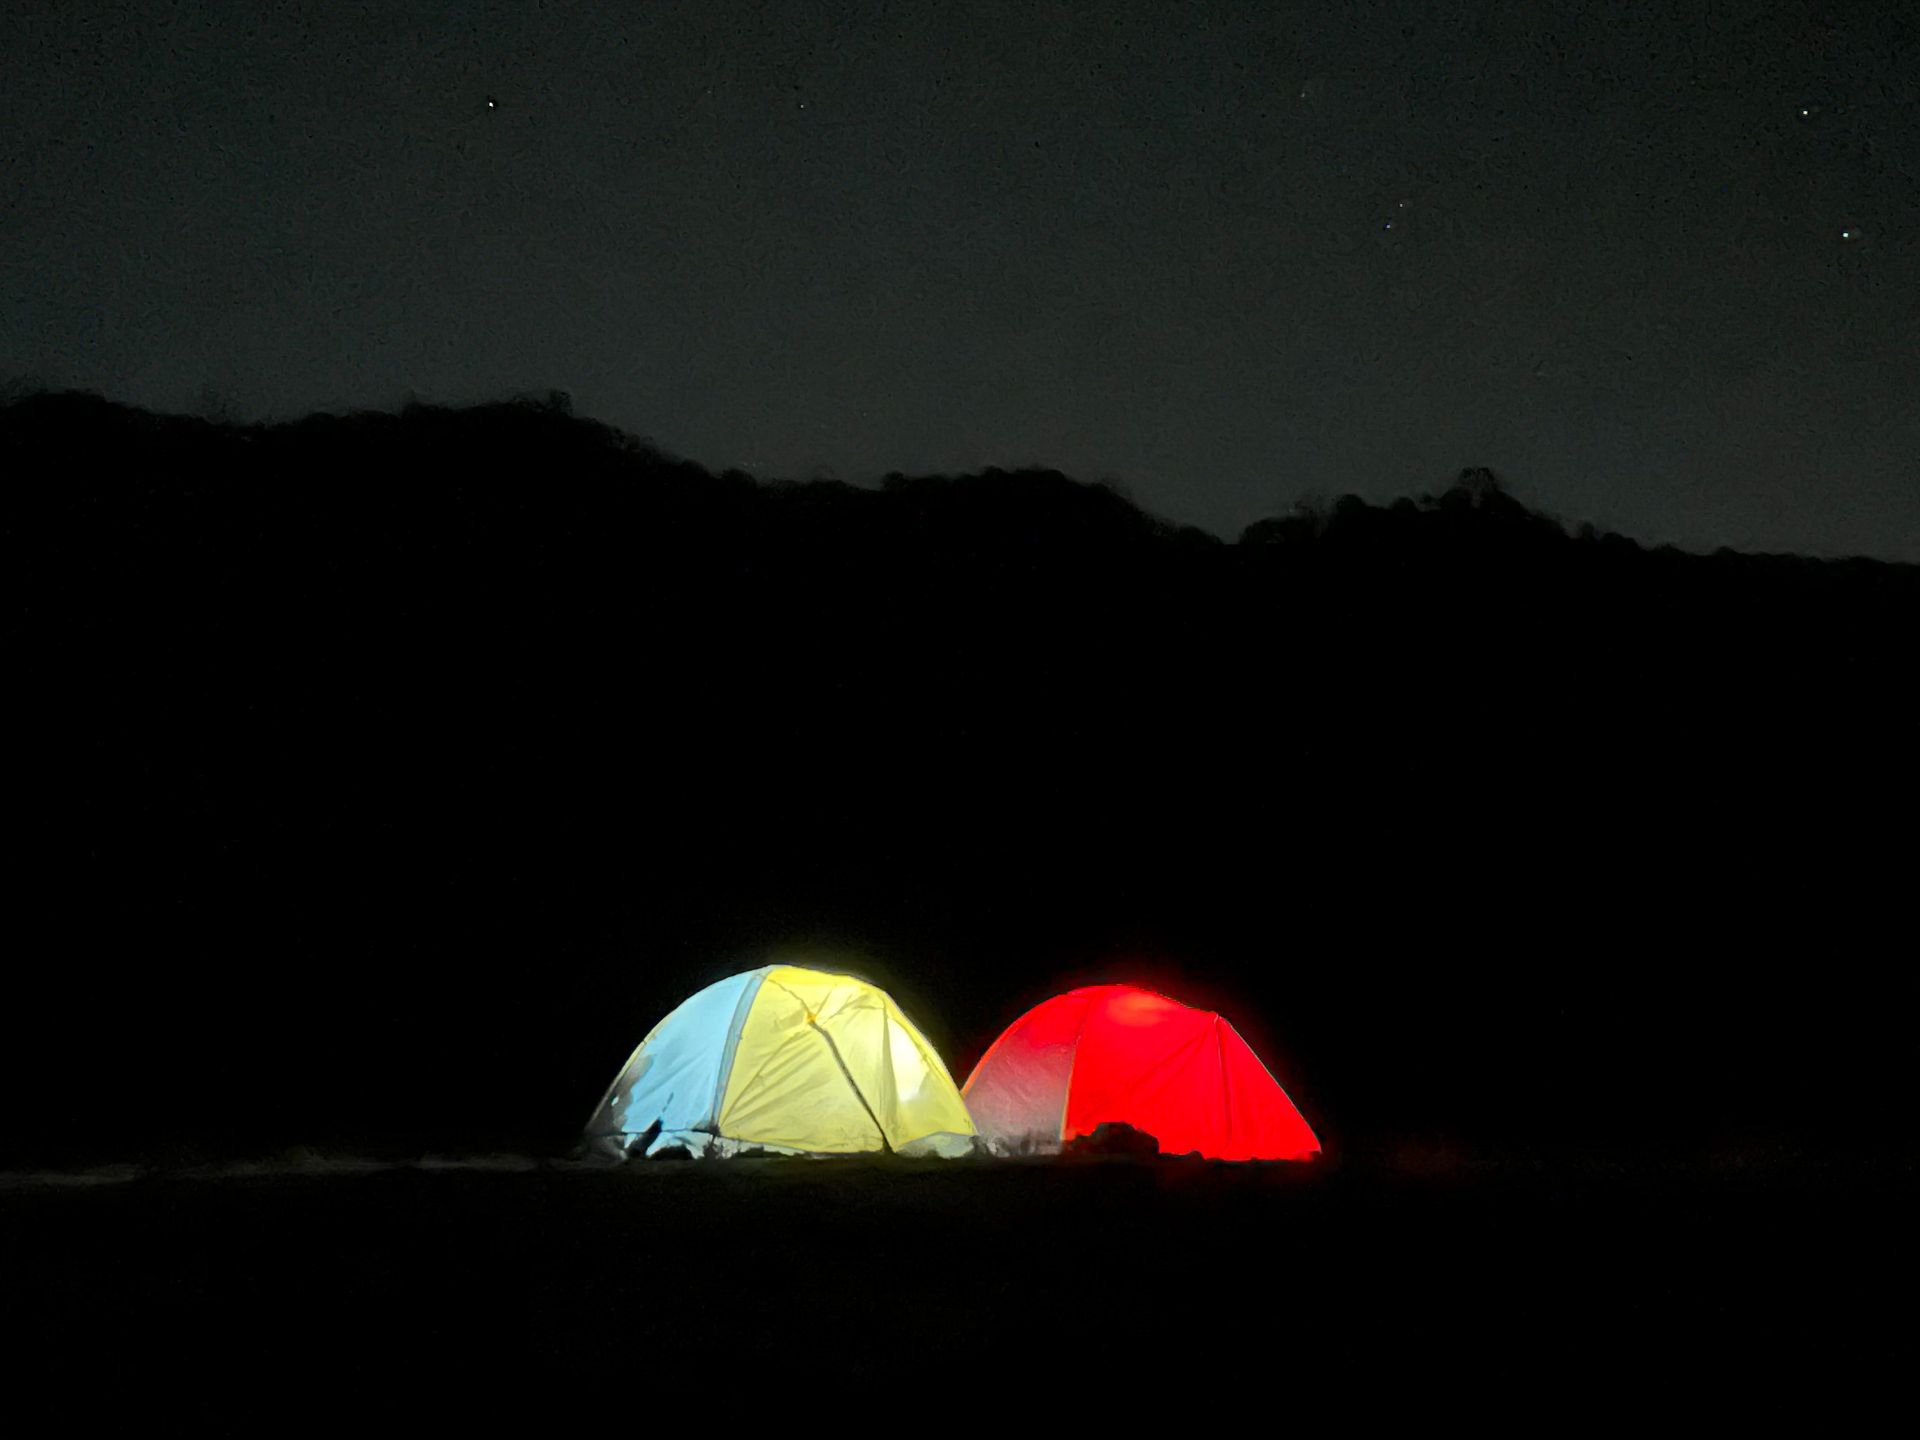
{"x":379,"y":779}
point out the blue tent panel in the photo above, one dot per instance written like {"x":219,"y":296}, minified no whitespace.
{"x":674,"y":1079}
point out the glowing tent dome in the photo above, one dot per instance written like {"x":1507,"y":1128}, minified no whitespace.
{"x":783,"y":1059}
{"x":1116,"y":1053}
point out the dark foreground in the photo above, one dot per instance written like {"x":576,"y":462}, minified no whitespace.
{"x":870,"y":1294}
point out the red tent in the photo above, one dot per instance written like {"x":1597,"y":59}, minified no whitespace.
{"x":1118,"y":1053}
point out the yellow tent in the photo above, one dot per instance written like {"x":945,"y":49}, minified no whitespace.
{"x":784,"y":1059}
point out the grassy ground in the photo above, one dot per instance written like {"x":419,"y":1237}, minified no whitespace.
{"x":893,"y":1293}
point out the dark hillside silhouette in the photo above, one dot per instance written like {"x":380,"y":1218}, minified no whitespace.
{"x":380,"y":778}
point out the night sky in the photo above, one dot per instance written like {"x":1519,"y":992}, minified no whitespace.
{"x":1657,"y":274}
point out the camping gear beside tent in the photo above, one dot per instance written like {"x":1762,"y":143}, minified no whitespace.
{"x":787,"y":1060}
{"x":1115,"y":1053}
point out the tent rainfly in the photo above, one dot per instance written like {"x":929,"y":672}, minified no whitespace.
{"x":1116,"y":1053}
{"x":786,"y":1060}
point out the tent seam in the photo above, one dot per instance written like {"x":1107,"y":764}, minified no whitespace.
{"x":734,"y":1029}
{"x":1066,"y":1090}
{"x":847,"y":1075}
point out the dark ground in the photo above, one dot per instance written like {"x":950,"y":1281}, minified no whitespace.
{"x":872,"y":1293}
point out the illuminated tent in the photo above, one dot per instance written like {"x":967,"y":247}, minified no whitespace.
{"x":1116,"y":1053}
{"x":788,"y":1060}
